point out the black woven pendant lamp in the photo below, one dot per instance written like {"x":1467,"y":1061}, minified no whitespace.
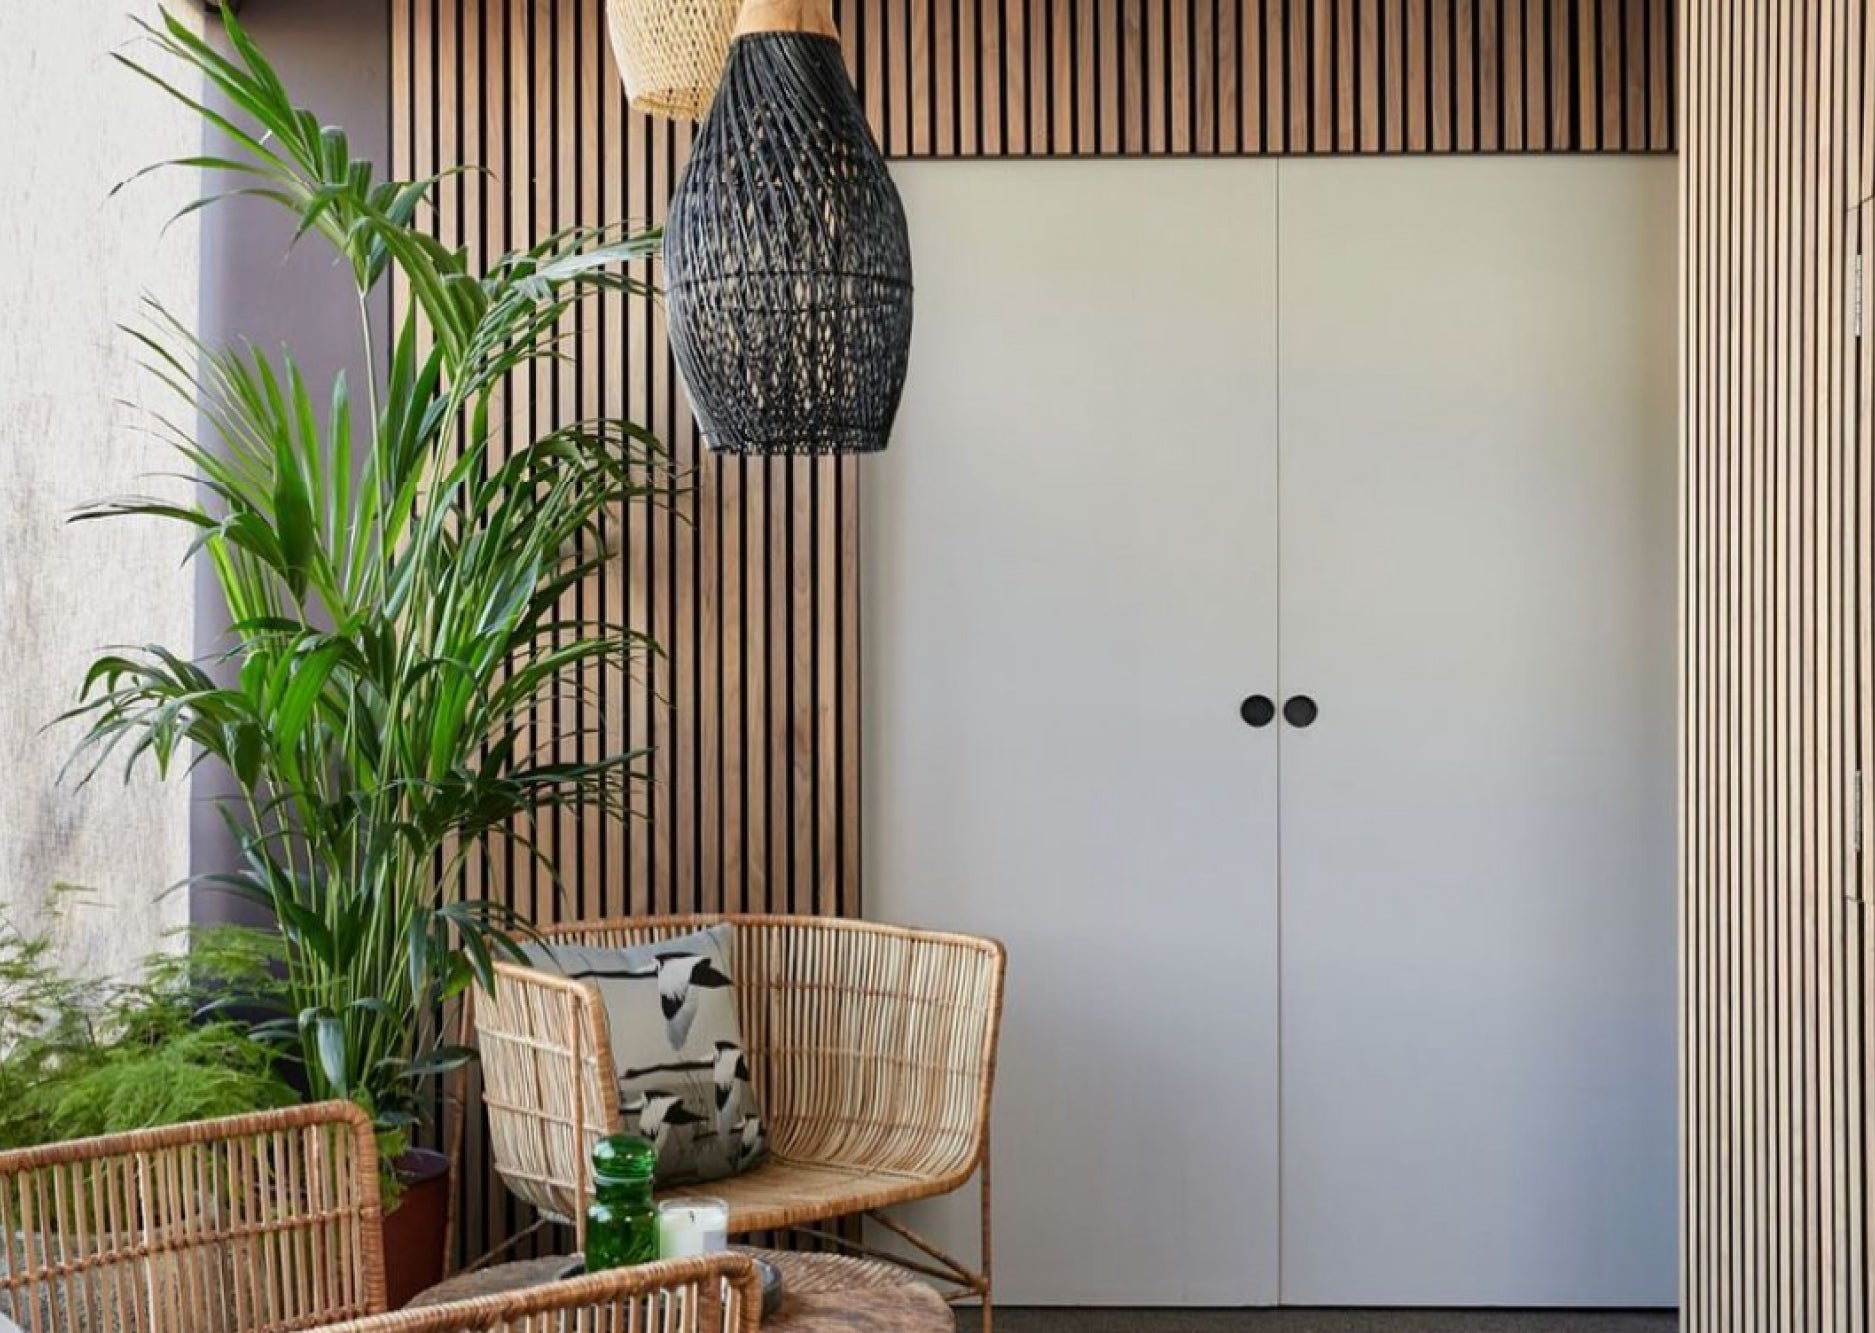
{"x":787,"y":266}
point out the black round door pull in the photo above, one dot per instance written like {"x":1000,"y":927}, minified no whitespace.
{"x":1300,"y":710}
{"x":1257,"y":710}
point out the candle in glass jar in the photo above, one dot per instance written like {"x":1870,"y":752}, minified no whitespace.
{"x":692,"y":1226}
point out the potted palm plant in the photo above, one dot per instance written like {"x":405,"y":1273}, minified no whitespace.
{"x":397,"y":575}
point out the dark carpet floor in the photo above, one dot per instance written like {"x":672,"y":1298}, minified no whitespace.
{"x":1321,"y":1321}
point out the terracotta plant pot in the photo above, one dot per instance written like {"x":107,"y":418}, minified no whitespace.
{"x":415,"y":1230}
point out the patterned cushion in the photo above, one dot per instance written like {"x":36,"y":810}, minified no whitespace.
{"x":677,"y":1048}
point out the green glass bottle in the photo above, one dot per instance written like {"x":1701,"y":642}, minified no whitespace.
{"x":622,"y":1222}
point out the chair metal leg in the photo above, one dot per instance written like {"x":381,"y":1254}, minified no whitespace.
{"x":963,"y":1282}
{"x":986,"y":1262}
{"x":957,"y":1279}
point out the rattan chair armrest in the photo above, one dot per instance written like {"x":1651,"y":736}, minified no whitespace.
{"x":719,"y":1293}
{"x":136,"y":1142}
{"x":258,"y":1222}
{"x":548,"y":1084}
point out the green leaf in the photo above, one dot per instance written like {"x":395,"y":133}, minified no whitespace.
{"x":245,"y":749}
{"x":305,"y":929}
{"x":442,"y":1060}
{"x":309,"y":676}
{"x":329,"y":1045}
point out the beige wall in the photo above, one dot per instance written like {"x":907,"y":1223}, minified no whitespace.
{"x":78,"y":261}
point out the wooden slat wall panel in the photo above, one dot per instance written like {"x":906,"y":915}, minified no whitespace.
{"x":749,"y":578}
{"x":1777,"y":619}
{"x":1080,"y":78}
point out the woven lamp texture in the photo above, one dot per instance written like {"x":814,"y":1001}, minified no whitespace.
{"x":670,"y":53}
{"x":787,"y":262}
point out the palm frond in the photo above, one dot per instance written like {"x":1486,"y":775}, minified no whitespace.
{"x":397,"y":573}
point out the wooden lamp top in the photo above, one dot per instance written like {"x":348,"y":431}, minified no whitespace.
{"x":813,"y":17}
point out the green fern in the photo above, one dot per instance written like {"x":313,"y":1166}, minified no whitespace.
{"x":202,"y":1074}
{"x":81,"y":1056}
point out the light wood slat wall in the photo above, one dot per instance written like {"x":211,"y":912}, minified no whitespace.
{"x":1778,"y":1007}
{"x":749,"y":579}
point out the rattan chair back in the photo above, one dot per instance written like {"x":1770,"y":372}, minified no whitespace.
{"x":255,"y":1224}
{"x":872,"y":1049}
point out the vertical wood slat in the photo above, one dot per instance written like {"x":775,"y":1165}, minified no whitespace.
{"x":1560,"y":57}
{"x":1393,"y":97}
{"x":1229,"y":78}
{"x":1777,"y":1006}
{"x":1317,"y":76}
{"x":1536,"y":47}
{"x":1180,"y":77}
{"x":1298,"y":28}
{"x":1464,"y":76}
{"x":1442,"y":90}
{"x":1344,"y":81}
{"x":1418,"y":41}
{"x":1369,"y":96}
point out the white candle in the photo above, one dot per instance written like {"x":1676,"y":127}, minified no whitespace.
{"x":692,"y":1226}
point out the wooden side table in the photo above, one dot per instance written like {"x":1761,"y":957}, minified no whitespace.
{"x":836,"y":1293}
{"x":820,"y":1293}
{"x":497,"y":1280}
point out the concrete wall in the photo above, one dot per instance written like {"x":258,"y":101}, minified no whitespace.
{"x":71,"y":397}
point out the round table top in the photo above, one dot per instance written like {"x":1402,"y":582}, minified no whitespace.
{"x":821,"y":1293}
{"x":499,"y":1279}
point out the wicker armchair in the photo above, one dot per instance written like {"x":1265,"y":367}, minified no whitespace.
{"x":871,"y":1048}
{"x":256,"y":1224}
{"x":717,"y":1294}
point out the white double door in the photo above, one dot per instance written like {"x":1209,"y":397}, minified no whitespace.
{"x":1376,"y":1010}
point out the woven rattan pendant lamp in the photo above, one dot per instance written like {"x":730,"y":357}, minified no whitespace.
{"x":787,"y":265}
{"x":670,"y":52}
